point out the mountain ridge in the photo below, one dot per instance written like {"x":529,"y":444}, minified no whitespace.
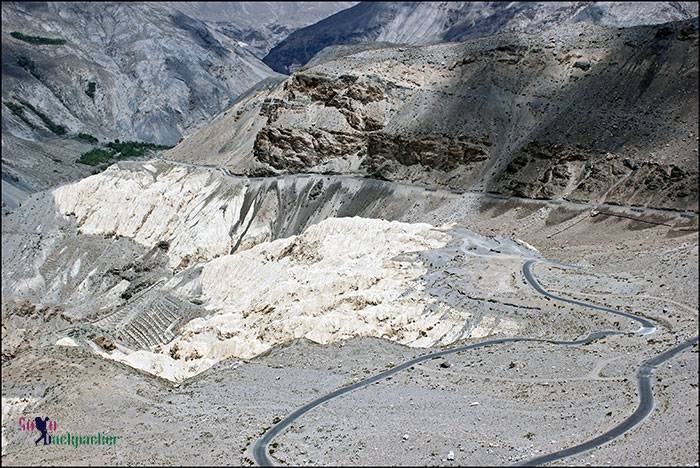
{"x":567,"y":114}
{"x":432,"y":22}
{"x":95,"y":73}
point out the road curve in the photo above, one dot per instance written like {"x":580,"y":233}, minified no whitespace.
{"x":260,"y":448}
{"x":646,"y":405}
{"x":647,"y":325}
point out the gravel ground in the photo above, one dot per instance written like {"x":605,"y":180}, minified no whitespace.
{"x":532,"y":398}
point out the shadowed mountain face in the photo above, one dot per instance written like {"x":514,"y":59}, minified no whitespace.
{"x":434,"y":22}
{"x":583,"y":112}
{"x":133,"y":70}
{"x":259,"y":25}
{"x":128,"y":71}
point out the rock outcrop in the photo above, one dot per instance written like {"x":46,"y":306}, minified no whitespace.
{"x":585,"y":112}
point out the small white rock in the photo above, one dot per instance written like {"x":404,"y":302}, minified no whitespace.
{"x":66,"y":341}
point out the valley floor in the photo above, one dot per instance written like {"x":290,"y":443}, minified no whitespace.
{"x":496,"y":405}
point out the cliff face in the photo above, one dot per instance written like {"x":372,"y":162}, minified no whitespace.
{"x":587,"y":113}
{"x":433,"y":22}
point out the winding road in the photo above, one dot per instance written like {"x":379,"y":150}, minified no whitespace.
{"x":646,"y":396}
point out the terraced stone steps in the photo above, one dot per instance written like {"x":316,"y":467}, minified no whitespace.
{"x":156,"y":323}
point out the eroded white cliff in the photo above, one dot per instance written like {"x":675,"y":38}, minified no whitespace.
{"x":231,"y":248}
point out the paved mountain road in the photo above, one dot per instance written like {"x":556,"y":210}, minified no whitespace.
{"x":646,"y":397}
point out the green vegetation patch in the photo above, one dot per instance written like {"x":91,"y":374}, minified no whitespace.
{"x":36,"y":40}
{"x":87,"y":137}
{"x":95,"y":157}
{"x":117,"y":149}
{"x":90,"y":91}
{"x":29,"y":65}
{"x":129,"y":149}
{"x":18,"y":110}
{"x":50,"y":124}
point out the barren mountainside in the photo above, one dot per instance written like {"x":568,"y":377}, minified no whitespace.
{"x":448,"y":234}
{"x":128,"y":71}
{"x":583,"y":112}
{"x":259,"y":25}
{"x":433,"y":22}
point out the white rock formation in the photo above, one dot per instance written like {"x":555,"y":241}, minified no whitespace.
{"x":175,"y":206}
{"x":66,"y":341}
{"x":341,"y":278}
{"x":414,"y":284}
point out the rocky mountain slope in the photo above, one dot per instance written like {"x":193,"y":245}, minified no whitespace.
{"x":259,"y":25}
{"x":583,"y":112}
{"x":129,"y":71}
{"x":433,"y":22}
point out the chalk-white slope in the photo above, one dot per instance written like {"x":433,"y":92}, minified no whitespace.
{"x":230,"y":244}
{"x":341,"y":278}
